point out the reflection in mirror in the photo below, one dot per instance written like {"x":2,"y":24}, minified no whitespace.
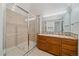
{"x":59,"y":24}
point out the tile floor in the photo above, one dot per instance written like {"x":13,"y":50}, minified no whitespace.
{"x":38,"y":52}
{"x":14,"y":51}
{"x":20,"y":49}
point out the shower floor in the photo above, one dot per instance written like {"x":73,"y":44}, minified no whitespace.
{"x":20,"y":49}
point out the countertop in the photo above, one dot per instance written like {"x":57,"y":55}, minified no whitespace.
{"x":59,"y":36}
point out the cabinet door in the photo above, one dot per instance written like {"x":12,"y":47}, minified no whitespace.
{"x":54,"y":45}
{"x":68,"y":52}
{"x":69,"y":47}
{"x":54,"y":49}
{"x":43,"y":46}
{"x":72,"y":42}
{"x":54,"y":41}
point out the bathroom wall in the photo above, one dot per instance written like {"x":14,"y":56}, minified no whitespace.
{"x":75,"y":21}
{"x":70,"y":20}
{"x":16,"y":29}
{"x":1,"y":29}
{"x":66,"y":23}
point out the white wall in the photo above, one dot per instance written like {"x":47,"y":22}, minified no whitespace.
{"x":66,"y":23}
{"x":1,"y":30}
{"x":75,"y":19}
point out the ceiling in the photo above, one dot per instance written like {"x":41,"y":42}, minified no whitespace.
{"x":46,"y":8}
{"x":41,"y":8}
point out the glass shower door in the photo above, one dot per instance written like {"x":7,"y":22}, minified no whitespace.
{"x":21,"y":32}
{"x":22,"y":35}
{"x":16,"y":40}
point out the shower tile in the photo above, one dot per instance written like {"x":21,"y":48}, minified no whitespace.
{"x":14,"y":51}
{"x":10,"y":41}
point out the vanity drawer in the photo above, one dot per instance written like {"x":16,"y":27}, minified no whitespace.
{"x":69,"y":47}
{"x":53,"y":40}
{"x":68,"y":52}
{"x":69,"y":42}
{"x":54,"y":49}
{"x":43,"y":46}
{"x":43,"y":38}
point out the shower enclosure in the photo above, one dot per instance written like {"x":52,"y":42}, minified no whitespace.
{"x":20,"y":36}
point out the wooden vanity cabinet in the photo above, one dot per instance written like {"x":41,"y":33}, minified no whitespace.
{"x":48,"y":44}
{"x":57,"y":46}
